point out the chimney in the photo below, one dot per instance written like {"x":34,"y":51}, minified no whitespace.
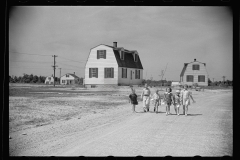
{"x":74,"y":73}
{"x":115,"y":44}
{"x":194,"y":60}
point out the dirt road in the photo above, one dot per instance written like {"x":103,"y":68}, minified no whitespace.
{"x":206,"y":131}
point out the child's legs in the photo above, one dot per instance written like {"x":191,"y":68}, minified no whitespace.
{"x":144,"y":103}
{"x":133,"y":107}
{"x":175,"y":108}
{"x":178,"y":106}
{"x":183,"y":109}
{"x":186,"y":109}
{"x":155,"y":104}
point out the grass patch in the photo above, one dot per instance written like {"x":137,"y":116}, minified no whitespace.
{"x":27,"y":111}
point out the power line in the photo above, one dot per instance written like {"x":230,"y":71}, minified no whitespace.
{"x":26,"y":67}
{"x":30,"y":54}
{"x":72,"y":60}
{"x":31,"y":61}
{"x":70,"y":69}
{"x":70,"y":65}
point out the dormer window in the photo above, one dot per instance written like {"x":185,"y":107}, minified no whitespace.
{"x":101,"y":54}
{"x":121,"y":55}
{"x":195,"y":67}
{"x":135,"y":57}
{"x":67,"y":75}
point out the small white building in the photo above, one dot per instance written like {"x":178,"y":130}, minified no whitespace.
{"x":194,"y":72}
{"x":49,"y":80}
{"x":69,"y":79}
{"x":175,"y":84}
{"x":112,"y":65}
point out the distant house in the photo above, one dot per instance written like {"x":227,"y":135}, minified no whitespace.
{"x":49,"y":80}
{"x":194,"y":72}
{"x":69,"y":79}
{"x":112,"y":65}
{"x":175,"y":84}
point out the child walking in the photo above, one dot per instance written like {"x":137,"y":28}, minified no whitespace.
{"x":156,"y":100}
{"x":177,"y":101}
{"x":185,"y":98}
{"x":133,"y":100}
{"x":168,"y":98}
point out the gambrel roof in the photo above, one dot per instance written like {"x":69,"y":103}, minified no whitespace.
{"x":184,"y":69}
{"x":128,"y":61}
{"x":185,"y":66}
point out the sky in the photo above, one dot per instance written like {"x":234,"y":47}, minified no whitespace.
{"x":164,"y":36}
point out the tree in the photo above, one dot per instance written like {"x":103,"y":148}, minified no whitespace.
{"x":35,"y":79}
{"x":39,"y":79}
{"x":19,"y":79}
{"x":31,"y":78}
{"x":209,"y":82}
{"x":43,"y":79}
{"x":169,"y":83}
{"x":10,"y":79}
{"x":15,"y":79}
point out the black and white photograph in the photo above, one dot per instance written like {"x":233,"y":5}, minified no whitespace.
{"x":149,"y":81}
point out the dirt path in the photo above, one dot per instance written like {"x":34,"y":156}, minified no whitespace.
{"x":207,"y":131}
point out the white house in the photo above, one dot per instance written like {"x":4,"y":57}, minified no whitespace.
{"x":175,"y":84}
{"x":69,"y":79}
{"x":112,"y":65}
{"x":194,"y":72}
{"x":49,"y":80}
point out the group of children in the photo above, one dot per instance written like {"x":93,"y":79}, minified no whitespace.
{"x":181,"y":97}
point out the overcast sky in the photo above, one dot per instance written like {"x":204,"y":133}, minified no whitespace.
{"x":161,"y":35}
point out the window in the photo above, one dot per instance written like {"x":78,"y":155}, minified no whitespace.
{"x":101,"y":54}
{"x":201,"y":78}
{"x":121,"y":55}
{"x":49,"y":78}
{"x":67,"y":75}
{"x":189,"y":78}
{"x":109,"y":72}
{"x":63,"y":81}
{"x":135,"y":57}
{"x":137,"y":74}
{"x":124,"y":72}
{"x":93,"y":72}
{"x":195,"y":67}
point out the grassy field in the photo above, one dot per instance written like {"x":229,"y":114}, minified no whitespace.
{"x":31,"y":106}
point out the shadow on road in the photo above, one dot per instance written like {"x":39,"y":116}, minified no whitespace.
{"x":172,"y":114}
{"x":194,"y":114}
{"x":150,"y":112}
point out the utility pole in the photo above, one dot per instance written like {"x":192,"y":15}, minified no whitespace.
{"x":60,"y":74}
{"x":54,"y":67}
